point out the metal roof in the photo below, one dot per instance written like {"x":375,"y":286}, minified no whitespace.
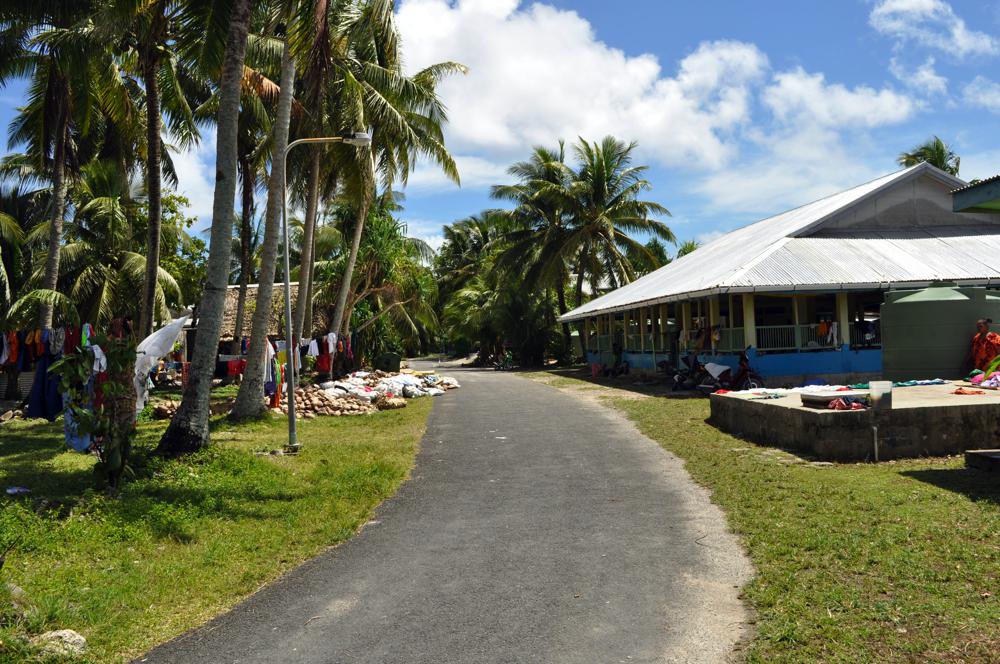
{"x":770,"y":253}
{"x":880,"y":257}
{"x":973,"y":185}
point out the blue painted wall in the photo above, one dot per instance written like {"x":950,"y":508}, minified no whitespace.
{"x":819,"y":363}
{"x":815,"y":364}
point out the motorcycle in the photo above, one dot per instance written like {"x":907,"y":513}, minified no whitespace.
{"x":506,"y":363}
{"x":690,"y":374}
{"x":745,"y":378}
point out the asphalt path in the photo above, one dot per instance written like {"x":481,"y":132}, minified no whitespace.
{"x":536,"y":527}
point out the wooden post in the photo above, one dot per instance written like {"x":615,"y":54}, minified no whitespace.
{"x":843,"y":319}
{"x":749,"y":321}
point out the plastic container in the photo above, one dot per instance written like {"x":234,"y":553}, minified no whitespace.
{"x":881,"y":394}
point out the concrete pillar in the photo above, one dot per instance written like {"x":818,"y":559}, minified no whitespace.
{"x":642,"y":329}
{"x":796,"y":322}
{"x":749,"y":321}
{"x":843,"y":319}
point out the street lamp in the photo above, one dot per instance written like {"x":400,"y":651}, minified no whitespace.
{"x":358,"y":139}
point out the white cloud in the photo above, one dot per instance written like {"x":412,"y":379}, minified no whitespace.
{"x":812,"y":148}
{"x":800,"y":97}
{"x":748,"y":138}
{"x":984,"y":93}
{"x":196,"y":177}
{"x":932,"y":23}
{"x":924,"y":79}
{"x":794,"y":167}
{"x":474,"y":172}
{"x":538,"y":73}
{"x":425,"y":229}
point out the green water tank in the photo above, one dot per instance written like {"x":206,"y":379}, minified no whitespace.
{"x":927,"y":333}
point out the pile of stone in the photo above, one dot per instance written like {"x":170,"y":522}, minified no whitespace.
{"x":11,"y":415}
{"x":311,"y":400}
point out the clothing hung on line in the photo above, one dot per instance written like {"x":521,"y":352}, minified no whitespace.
{"x":45,"y":399}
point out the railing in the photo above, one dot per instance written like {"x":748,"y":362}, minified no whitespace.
{"x":776,"y":337}
{"x":866,"y":337}
{"x":811,"y":339}
{"x":598,"y":343}
{"x":731,"y":339}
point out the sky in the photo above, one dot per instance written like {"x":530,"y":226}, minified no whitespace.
{"x":740,"y":110}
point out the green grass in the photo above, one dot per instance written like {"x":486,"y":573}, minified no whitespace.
{"x":186,"y":539}
{"x":897,"y":561}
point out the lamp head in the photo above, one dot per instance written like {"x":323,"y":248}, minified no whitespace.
{"x":358,"y":139}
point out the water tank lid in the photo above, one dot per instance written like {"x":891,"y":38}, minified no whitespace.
{"x":934,"y":294}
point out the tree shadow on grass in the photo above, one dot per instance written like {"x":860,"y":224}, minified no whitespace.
{"x":976,"y":484}
{"x":171,"y":511}
{"x":26,"y":456}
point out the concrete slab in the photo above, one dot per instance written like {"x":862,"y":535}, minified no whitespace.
{"x":983,"y":459}
{"x":925,"y":420}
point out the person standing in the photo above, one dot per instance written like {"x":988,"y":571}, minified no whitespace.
{"x":985,"y":345}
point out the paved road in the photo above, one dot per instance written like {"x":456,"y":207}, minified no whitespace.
{"x":537,"y":527}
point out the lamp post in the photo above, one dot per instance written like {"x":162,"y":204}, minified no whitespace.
{"x":357,"y":139}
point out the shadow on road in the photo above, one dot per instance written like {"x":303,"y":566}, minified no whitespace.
{"x":650,"y":386}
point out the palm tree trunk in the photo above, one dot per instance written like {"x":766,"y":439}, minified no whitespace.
{"x":309,"y":318}
{"x":339,"y":322}
{"x":246,"y":217}
{"x":305,"y":266}
{"x":579,"y":279}
{"x":561,"y":299}
{"x":153,"y":147}
{"x":250,"y":398}
{"x":51,"y":278}
{"x":188,"y":430}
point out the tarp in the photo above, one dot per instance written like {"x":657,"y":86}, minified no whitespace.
{"x":149,"y":352}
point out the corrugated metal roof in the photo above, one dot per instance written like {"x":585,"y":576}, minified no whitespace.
{"x":920,"y":255}
{"x":743,"y":256}
{"x":973,"y":185}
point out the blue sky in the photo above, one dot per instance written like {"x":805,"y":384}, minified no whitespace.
{"x":740,"y":109}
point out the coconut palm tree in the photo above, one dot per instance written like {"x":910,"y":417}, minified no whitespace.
{"x":603,"y":203}
{"x":687,"y":247}
{"x":249,"y":402}
{"x":144,"y":35}
{"x":11,"y":241}
{"x":323,"y":53}
{"x":538,"y":244}
{"x":72,"y":81}
{"x":254,"y":125}
{"x":935,"y":152}
{"x":188,"y":430}
{"x":403,"y":113}
{"x":103,"y":261}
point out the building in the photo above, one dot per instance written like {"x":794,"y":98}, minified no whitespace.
{"x":803,"y":289}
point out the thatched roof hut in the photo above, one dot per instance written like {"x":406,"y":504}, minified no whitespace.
{"x":276,"y":324}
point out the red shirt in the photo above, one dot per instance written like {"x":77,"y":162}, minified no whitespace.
{"x":985,"y":347}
